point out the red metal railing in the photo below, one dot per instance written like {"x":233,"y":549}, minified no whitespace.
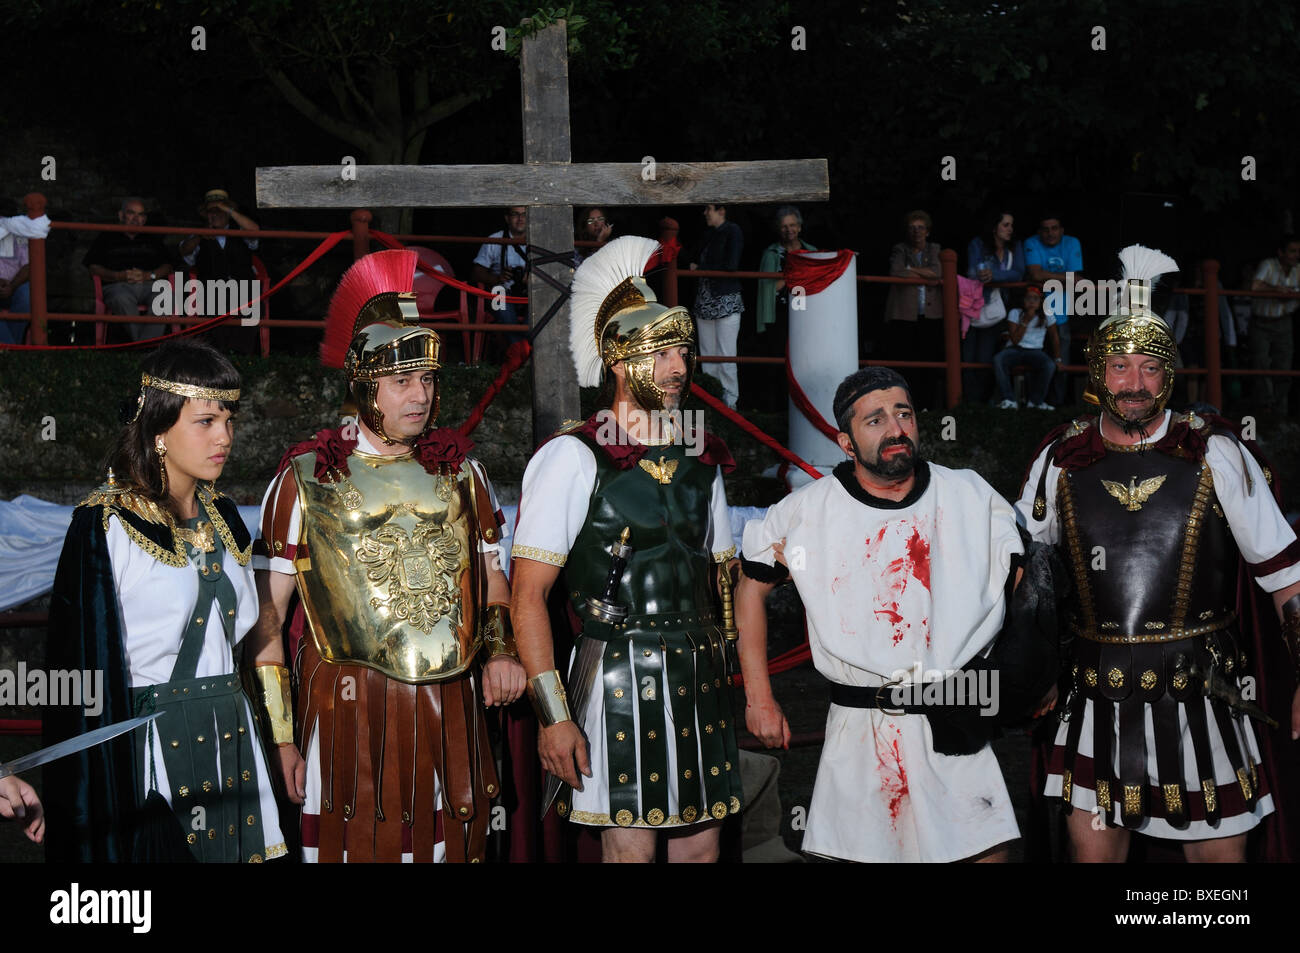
{"x":360,"y":219}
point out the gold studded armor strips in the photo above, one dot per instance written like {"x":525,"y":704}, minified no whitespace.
{"x":1153,"y":617}
{"x":665,"y":677}
{"x":615,"y":317}
{"x":391,"y":582}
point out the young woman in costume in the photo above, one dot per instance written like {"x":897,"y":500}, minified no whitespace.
{"x":154,"y":590}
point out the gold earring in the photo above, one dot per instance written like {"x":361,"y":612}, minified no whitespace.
{"x":160,"y":448}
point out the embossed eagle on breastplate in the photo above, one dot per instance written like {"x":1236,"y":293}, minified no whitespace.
{"x":418,"y":570}
{"x":1132,"y":497}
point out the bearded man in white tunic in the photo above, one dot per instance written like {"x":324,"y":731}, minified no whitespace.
{"x":1154,"y":511}
{"x":902,"y":566}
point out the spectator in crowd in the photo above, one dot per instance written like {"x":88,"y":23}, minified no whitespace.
{"x":773,"y":299}
{"x":1053,"y":255}
{"x":991,"y":256}
{"x":128,"y":263}
{"x":595,"y":226}
{"x":216,"y":257}
{"x":717,"y":302}
{"x":505,"y":267}
{"x":1034,"y":344}
{"x":913,"y":329}
{"x":1271,"y":339}
{"x":15,"y":292}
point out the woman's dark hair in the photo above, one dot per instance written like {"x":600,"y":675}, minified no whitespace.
{"x":182,"y":361}
{"x":989,"y":233}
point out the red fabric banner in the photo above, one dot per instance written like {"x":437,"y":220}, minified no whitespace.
{"x":806,"y":406}
{"x":802,"y":270}
{"x":753,"y":431}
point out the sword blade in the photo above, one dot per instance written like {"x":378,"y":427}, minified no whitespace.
{"x":582,"y":674}
{"x":72,"y":745}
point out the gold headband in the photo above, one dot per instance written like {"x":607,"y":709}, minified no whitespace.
{"x":188,"y":390}
{"x":182,"y":390}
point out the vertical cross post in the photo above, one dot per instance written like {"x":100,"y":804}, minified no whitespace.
{"x":544,"y":69}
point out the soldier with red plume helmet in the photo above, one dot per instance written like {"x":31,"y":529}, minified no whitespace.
{"x":390,"y":539}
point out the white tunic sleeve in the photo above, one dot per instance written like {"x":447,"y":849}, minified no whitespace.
{"x":1258,"y":526}
{"x":553,"y":500}
{"x":721,"y":543}
{"x":1046,"y":530}
{"x":761,"y":534}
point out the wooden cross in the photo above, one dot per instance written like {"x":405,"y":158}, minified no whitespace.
{"x":550,"y":184}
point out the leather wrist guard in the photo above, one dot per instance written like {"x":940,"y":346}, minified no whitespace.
{"x":274,"y":702}
{"x":1291,"y":630}
{"x":550,"y":702}
{"x":498,"y":634}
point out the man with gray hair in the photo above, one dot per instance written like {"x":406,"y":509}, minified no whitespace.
{"x":128,"y":263}
{"x":903,"y":567}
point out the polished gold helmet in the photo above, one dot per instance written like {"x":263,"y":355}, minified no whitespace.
{"x":1133,"y":329}
{"x":372,"y":330}
{"x":614,"y":316}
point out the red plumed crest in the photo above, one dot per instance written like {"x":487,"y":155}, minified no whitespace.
{"x":376,"y":273}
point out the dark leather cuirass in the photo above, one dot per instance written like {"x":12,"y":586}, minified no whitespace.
{"x":1149,"y":547}
{"x":669,"y":570}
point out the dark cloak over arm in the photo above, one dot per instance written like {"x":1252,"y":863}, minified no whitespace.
{"x":90,"y":797}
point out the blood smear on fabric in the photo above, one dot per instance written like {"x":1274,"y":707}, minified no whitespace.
{"x":893,"y":776}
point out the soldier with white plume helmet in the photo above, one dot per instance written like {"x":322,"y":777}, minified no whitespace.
{"x":1154,"y":511}
{"x":627,"y":512}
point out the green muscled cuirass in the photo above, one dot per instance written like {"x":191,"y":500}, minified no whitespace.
{"x":670,"y":568}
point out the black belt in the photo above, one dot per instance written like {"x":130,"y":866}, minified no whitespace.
{"x":882,"y":697}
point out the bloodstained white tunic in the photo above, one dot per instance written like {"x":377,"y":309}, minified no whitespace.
{"x":893,"y":589}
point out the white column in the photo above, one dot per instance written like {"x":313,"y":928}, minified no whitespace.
{"x":823,"y":351}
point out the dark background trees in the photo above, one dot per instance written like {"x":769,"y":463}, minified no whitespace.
{"x":1137,"y":134}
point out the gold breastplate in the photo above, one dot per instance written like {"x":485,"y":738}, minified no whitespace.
{"x":388,"y":581}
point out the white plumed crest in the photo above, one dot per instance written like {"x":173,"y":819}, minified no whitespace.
{"x":1145,"y":264}
{"x":595,"y":278}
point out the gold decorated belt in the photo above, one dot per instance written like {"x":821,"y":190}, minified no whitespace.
{"x":1157,"y":631}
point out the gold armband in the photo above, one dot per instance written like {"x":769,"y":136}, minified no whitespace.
{"x":275,"y":704}
{"x":498,"y":634}
{"x":546,"y":692}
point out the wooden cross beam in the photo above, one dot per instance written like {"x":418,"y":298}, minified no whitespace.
{"x":550,"y":184}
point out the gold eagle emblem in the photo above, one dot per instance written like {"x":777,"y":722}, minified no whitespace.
{"x":417,"y":571}
{"x":1132,"y":497}
{"x":662,"y":471}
